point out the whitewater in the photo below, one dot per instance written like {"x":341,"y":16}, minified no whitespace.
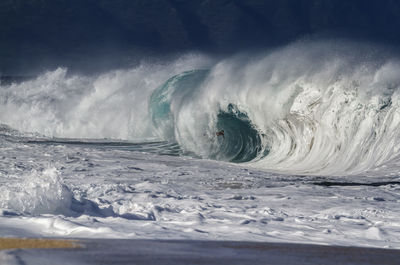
{"x":310,"y":152}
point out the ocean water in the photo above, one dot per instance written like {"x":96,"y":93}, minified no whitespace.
{"x":310,"y":151}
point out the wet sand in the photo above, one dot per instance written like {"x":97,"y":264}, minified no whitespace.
{"x":120,"y":251}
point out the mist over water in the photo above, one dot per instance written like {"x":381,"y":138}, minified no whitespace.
{"x":110,"y":105}
{"x":311,"y":107}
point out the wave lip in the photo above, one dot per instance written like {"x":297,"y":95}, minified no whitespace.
{"x":171,"y":93}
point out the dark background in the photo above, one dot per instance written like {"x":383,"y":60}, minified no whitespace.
{"x":95,"y":35}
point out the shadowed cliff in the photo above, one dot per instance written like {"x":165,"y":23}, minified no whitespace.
{"x":97,"y":34}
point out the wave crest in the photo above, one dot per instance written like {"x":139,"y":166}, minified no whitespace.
{"x":305,"y":114}
{"x":310,"y":107}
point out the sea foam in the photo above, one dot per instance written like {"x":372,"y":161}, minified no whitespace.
{"x":39,"y":192}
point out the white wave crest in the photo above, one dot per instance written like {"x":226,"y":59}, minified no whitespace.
{"x":319,"y":107}
{"x":111,"y":105}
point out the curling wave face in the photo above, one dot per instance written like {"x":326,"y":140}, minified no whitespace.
{"x":307,"y":108}
{"x":311,"y":107}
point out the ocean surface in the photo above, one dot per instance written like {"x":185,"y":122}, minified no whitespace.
{"x":310,"y":152}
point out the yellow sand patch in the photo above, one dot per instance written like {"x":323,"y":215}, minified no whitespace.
{"x":9,"y":243}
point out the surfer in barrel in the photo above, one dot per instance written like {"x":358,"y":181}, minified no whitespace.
{"x":221,"y":133}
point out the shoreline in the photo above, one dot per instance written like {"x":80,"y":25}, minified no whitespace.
{"x":137,"y":251}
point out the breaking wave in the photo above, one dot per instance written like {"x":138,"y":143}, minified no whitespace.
{"x":310,"y":107}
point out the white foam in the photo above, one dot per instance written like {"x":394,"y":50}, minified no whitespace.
{"x":181,"y":198}
{"x":111,"y":105}
{"x":39,"y":192}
